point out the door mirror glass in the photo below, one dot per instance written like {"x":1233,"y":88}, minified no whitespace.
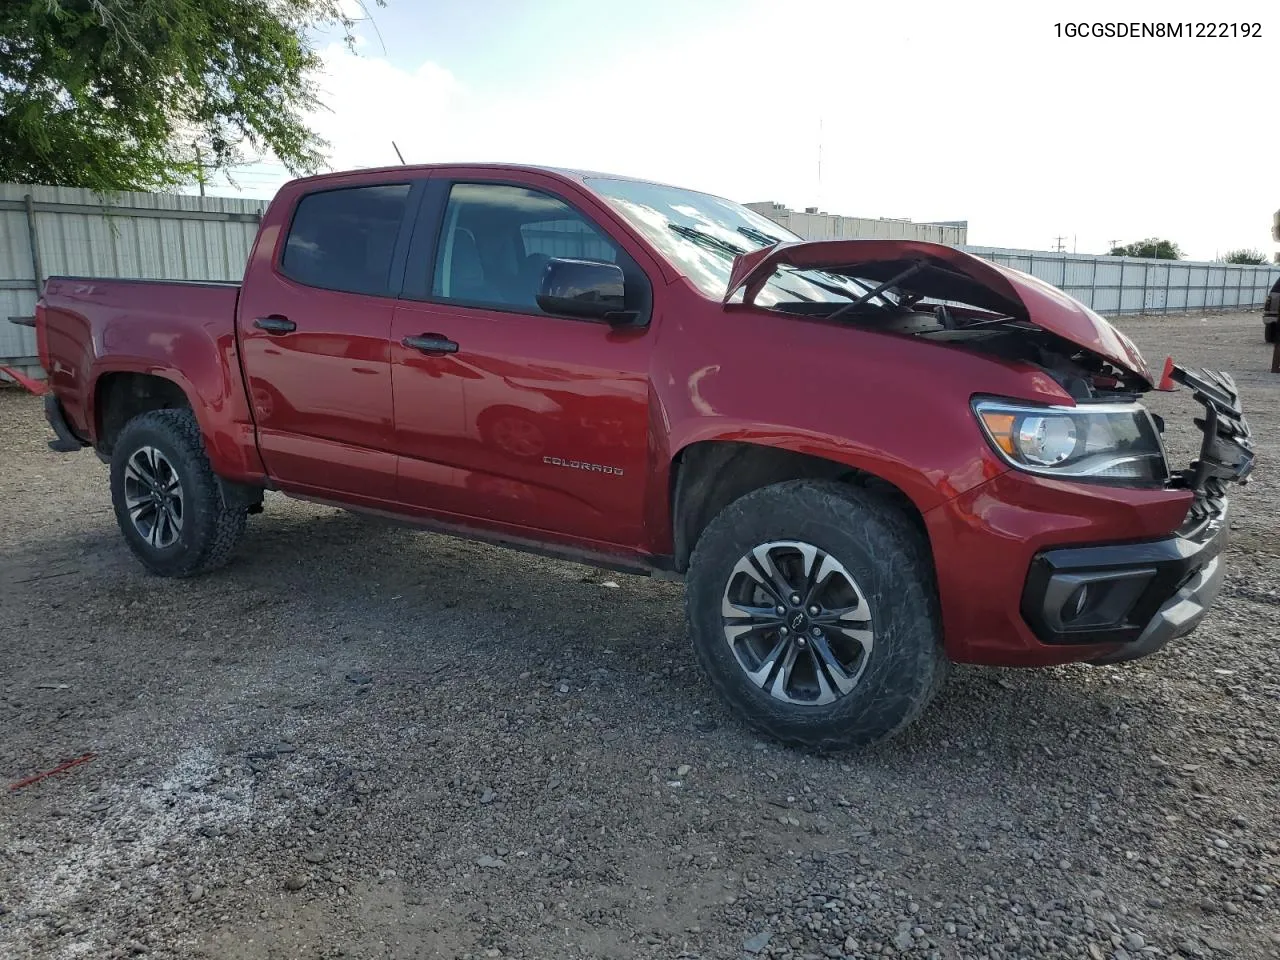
{"x":584,"y":288}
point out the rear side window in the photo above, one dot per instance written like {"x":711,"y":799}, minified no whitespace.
{"x":343,"y":239}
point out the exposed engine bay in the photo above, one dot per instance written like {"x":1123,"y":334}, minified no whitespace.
{"x":933,"y":301}
{"x":1084,"y":375}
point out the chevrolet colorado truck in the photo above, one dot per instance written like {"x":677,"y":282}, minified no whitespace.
{"x":866,"y":459}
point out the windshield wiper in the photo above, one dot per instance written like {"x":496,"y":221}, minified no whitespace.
{"x":759,"y":236}
{"x":706,"y":239}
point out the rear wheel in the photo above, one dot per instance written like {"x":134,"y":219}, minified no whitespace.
{"x":813,"y":612}
{"x":167,"y":500}
{"x":1270,"y":330}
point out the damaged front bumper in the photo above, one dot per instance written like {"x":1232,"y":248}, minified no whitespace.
{"x":1139,"y":596}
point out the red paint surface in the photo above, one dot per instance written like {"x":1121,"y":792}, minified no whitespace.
{"x":340,"y":411}
{"x":37,"y":387}
{"x":983,"y":542}
{"x":182,"y":332}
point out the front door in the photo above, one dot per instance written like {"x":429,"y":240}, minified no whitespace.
{"x":503,"y":413}
{"x":314,"y":323}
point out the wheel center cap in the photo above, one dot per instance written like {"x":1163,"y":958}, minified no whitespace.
{"x":798,"y":621}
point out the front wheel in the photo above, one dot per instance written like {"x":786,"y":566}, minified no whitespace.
{"x":1269,"y":331}
{"x":813,"y":612}
{"x":166,"y":498}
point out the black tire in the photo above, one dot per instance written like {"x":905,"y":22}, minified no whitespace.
{"x":889,"y":560}
{"x":1269,"y":331}
{"x":210,"y":528}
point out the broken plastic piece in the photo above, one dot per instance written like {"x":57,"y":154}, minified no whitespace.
{"x":61,"y":768}
{"x":38,"y":387}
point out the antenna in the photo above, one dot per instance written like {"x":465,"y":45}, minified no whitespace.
{"x":819,"y":160}
{"x":398,"y":153}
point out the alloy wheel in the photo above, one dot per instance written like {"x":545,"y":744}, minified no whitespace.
{"x":797,"y":622}
{"x":153,"y":497}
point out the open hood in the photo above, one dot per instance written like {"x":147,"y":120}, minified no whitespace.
{"x":946,"y":274}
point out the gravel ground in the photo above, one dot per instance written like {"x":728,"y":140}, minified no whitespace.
{"x":362,"y":741}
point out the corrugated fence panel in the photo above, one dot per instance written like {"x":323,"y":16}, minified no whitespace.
{"x":1080,"y":274}
{"x":15,"y":246}
{"x":150,"y":247}
{"x":1052,"y":271}
{"x":16,"y":342}
{"x":128,"y":249}
{"x":1105,"y":299}
{"x":1114,"y":285}
{"x":1109,"y":273}
{"x":80,"y":233}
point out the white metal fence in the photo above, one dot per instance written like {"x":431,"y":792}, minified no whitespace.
{"x":58,"y":230}
{"x":1120,"y":285}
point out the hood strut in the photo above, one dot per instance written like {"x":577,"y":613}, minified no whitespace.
{"x":891,"y":282}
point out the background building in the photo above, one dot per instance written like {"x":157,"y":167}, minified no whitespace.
{"x":813,"y":224}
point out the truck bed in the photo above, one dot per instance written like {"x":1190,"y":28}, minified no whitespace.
{"x":142,"y":325}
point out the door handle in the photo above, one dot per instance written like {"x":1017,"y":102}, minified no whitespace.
{"x":275,"y":324}
{"x":431,"y":343}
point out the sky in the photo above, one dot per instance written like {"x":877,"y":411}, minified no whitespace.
{"x":929,"y":110}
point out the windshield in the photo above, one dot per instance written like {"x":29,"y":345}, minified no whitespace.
{"x":702,"y":234}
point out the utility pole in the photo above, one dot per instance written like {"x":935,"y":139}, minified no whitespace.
{"x":1060,"y":247}
{"x":200,"y":169}
{"x":1111,"y":245}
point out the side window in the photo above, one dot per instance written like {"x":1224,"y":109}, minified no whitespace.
{"x":496,"y":239}
{"x":566,"y":238}
{"x":343,"y":239}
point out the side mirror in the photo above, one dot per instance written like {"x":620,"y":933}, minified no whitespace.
{"x":584,"y":288}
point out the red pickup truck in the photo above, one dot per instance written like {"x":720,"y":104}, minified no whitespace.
{"x":866,"y":458}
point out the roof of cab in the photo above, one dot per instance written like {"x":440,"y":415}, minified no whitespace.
{"x":567,"y":173}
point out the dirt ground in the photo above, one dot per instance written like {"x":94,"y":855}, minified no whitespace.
{"x":361,"y":741}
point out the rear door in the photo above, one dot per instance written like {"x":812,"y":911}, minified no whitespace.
{"x":517,"y":418}
{"x":314,"y":320}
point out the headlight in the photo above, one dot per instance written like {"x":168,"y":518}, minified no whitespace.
{"x":1111,"y":441}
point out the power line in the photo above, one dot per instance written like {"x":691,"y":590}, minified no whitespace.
{"x":264,"y":177}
